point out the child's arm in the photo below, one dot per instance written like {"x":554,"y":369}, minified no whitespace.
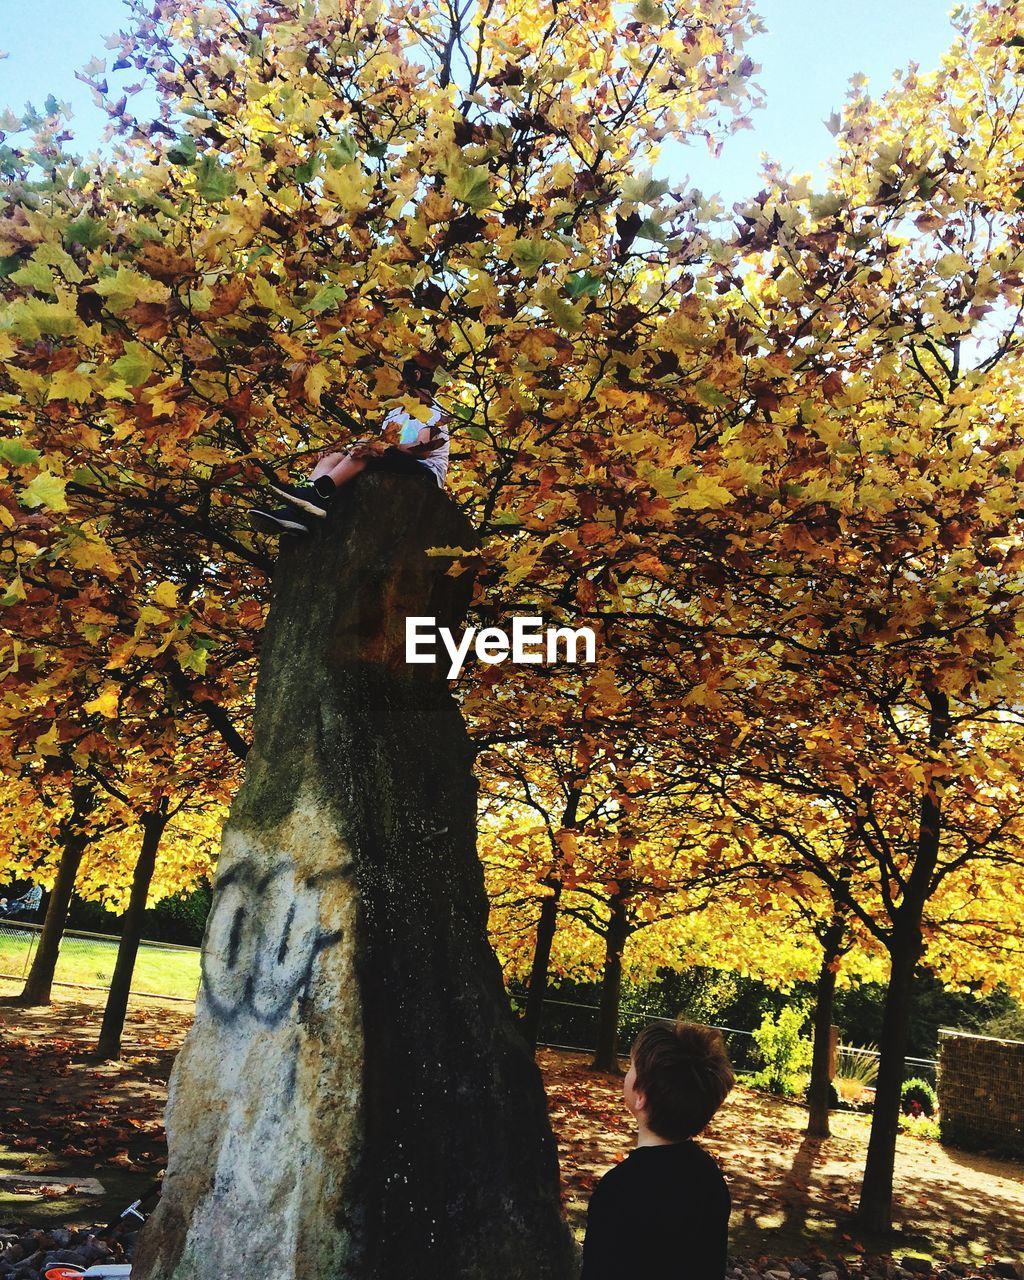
{"x":425,"y":441}
{"x":605,"y":1252}
{"x":422,"y":437}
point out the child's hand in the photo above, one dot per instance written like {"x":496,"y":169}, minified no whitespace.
{"x":367,"y":448}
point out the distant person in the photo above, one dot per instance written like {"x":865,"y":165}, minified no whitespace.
{"x":422,"y":448}
{"x":25,"y":905}
{"x":663,"y":1213}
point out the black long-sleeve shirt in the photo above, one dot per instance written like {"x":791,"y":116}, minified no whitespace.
{"x":662,"y":1214}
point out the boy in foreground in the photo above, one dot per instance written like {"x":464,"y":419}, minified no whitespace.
{"x":663,"y":1213}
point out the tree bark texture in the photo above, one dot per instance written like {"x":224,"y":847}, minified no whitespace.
{"x":109,"y":1044}
{"x":606,"y":1051}
{"x":354,"y":1101}
{"x":39,"y":982}
{"x":821,"y":1078}
{"x":906,"y":944}
{"x":874,"y":1211}
{"x":537,"y":988}
{"x":538,"y":984}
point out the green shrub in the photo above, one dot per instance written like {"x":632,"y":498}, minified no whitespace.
{"x":920,"y":1127}
{"x":859,"y":1066}
{"x":785,"y":1053}
{"x":921,"y":1092}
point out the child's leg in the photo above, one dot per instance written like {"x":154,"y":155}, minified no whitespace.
{"x":326,"y":465}
{"x":330,"y":472}
{"x":339,"y":468}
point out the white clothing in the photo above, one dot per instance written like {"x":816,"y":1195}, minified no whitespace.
{"x":436,"y":462}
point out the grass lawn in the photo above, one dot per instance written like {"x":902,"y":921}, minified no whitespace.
{"x":90,"y":963}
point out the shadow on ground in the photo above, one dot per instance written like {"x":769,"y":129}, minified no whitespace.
{"x":792,"y":1194}
{"x":65,"y":1116}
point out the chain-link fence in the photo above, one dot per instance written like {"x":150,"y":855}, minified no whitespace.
{"x":86,"y":960}
{"x":572,"y":1024}
{"x":168,"y":971}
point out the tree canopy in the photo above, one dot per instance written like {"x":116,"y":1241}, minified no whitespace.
{"x":773,"y":457}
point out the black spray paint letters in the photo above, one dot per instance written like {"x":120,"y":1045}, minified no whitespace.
{"x":263,"y":940}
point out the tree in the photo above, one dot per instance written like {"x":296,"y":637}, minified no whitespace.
{"x":240,"y":305}
{"x":73,"y":836}
{"x":153,"y":824}
{"x":194,"y":798}
{"x":854,"y":593}
{"x":510,"y":778}
{"x":347,"y":977}
{"x":776,"y":468}
{"x":643,"y":857}
{"x":117,"y":745}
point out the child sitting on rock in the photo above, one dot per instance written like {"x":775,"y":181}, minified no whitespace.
{"x":422,"y":447}
{"x":663,"y":1213}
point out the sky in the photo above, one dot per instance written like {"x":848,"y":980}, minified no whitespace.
{"x":811,"y":50}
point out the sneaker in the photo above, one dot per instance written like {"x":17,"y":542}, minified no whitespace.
{"x":325,"y":486}
{"x":303,"y":496}
{"x":284,"y":520}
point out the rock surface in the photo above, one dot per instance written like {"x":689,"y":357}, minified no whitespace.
{"x":27,"y":1254}
{"x":353,"y":1101}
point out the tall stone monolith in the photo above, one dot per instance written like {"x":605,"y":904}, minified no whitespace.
{"x":354,"y":1101}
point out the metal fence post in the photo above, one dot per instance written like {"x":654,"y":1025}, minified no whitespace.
{"x":28,"y":954}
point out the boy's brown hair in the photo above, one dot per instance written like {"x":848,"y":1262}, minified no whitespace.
{"x":685,"y":1076}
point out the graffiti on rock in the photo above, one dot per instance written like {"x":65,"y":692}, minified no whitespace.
{"x":263,"y":940}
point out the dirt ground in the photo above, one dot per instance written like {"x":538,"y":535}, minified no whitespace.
{"x":792,"y":1194}
{"x":65,"y":1116}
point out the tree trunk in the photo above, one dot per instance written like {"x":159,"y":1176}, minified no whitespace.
{"x":39,"y":982}
{"x":354,"y":1100}
{"x":538,"y":985}
{"x":606,"y":1051}
{"x":874,"y":1212}
{"x":821,"y":1079}
{"x":109,"y":1044}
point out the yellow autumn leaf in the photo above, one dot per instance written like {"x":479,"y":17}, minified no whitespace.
{"x":266,"y":295}
{"x":46,"y":490}
{"x":47,"y":744}
{"x":314,"y":383}
{"x":566,"y":841}
{"x":15,"y":591}
{"x":68,"y":384}
{"x":33,"y":385}
{"x":126,"y":286}
{"x":704,"y":494}
{"x":105,"y":702}
{"x":89,"y":553}
{"x":166,"y":595}
{"x":347,"y":186}
{"x":562,"y":312}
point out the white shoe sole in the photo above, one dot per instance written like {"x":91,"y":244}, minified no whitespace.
{"x":309,"y":507}
{"x":267,"y":523}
